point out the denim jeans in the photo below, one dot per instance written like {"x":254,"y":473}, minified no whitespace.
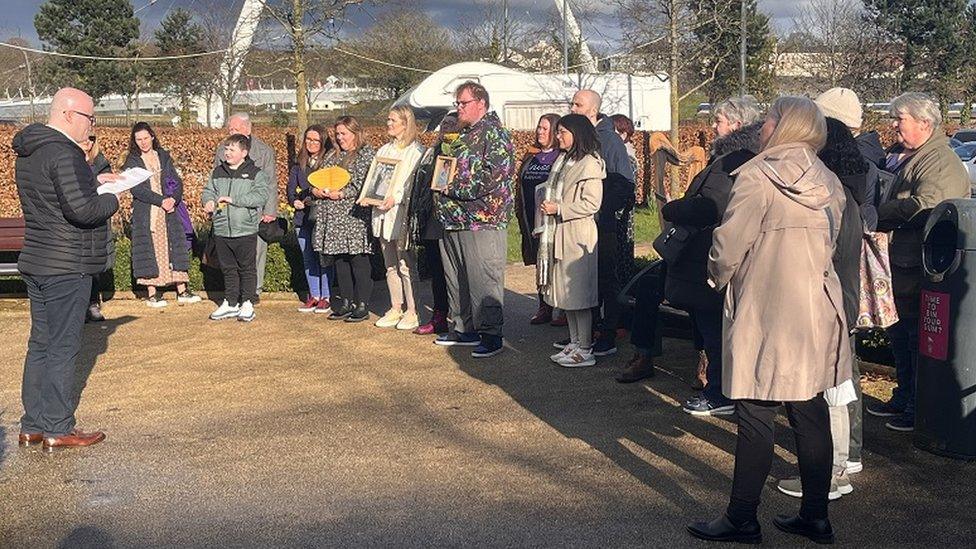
{"x":50,"y":391}
{"x":904,"y":345}
{"x":316,"y":275}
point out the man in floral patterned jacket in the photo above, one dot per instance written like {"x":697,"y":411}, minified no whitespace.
{"x":475,"y":208}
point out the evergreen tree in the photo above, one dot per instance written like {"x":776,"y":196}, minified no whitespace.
{"x":929,"y":32}
{"x":105,"y":28}
{"x":724,"y":31}
{"x":181,"y":78}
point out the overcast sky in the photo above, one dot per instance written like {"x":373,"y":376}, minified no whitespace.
{"x":601,"y":30}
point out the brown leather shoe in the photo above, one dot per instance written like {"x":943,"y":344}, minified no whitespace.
{"x":640,"y":367}
{"x":26,"y":439}
{"x":74,"y":439}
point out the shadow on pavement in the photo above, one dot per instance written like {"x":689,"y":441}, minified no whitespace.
{"x":87,"y":536}
{"x":95,"y":343}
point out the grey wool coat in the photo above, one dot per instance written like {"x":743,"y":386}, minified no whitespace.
{"x":143,"y":198}
{"x":574,"y":272}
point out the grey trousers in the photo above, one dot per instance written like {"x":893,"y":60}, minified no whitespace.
{"x":260,"y":259}
{"x":474,"y":268}
{"x":855,"y":412}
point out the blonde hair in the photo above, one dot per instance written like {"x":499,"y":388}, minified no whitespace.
{"x":353,"y":126}
{"x":798,"y":120}
{"x":405,"y":114}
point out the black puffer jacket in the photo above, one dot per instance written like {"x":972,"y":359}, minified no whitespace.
{"x":66,"y":220}
{"x":701,"y":209}
{"x":144,"y":263}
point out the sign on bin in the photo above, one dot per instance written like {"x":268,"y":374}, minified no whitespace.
{"x":934,"y":340}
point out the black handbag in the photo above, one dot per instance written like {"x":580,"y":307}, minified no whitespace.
{"x":673,"y":240}
{"x":209,"y":255}
{"x":273,"y":231}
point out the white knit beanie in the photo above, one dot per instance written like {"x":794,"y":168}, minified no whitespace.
{"x":842,"y":104}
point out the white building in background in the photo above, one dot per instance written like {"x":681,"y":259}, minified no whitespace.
{"x":520,"y":98}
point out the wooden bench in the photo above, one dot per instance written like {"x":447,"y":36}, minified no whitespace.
{"x":11,"y":240}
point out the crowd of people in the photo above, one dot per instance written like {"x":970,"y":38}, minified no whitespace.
{"x":763,"y":251}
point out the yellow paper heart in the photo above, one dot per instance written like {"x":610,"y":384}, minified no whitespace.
{"x":332,"y":178}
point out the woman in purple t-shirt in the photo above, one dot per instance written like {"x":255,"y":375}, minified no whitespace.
{"x":535,"y":170}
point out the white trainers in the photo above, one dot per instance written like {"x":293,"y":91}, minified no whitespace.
{"x":390,"y":319}
{"x":578,"y":358}
{"x":156,"y":302}
{"x":246,"y":313}
{"x":853,"y":467}
{"x":567,"y":350}
{"x":187,"y":298}
{"x":225,"y":311}
{"x":409,"y":321}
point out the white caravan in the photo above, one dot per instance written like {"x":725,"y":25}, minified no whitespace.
{"x":520,"y":98}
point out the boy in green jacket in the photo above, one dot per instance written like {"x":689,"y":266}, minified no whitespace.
{"x":234,"y":196}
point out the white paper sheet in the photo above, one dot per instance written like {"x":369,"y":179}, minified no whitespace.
{"x":127,"y":179}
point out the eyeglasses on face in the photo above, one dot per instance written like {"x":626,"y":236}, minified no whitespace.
{"x":460,"y":104}
{"x":91,"y":138}
{"x":90,"y":117}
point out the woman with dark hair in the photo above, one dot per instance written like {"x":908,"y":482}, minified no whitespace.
{"x":842,"y":156}
{"x":99,"y":165}
{"x":342,"y":227}
{"x":567,"y":261}
{"x":315,"y":145}
{"x":534,"y":170}
{"x":426,"y":230}
{"x":159,"y":253}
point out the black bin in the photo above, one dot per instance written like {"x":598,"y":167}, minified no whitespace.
{"x":945,"y":416}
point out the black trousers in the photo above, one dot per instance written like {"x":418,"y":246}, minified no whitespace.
{"x":57,"y":307}
{"x":608,"y":282}
{"x":646,"y":325}
{"x":754,"y":455}
{"x":354,"y":274}
{"x":237,"y":261}
{"x":435,"y":266}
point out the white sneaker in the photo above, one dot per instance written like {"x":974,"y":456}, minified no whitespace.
{"x":187,"y":298}
{"x":853,"y":467}
{"x":247,"y":312}
{"x":578,"y":358}
{"x":390,"y":319}
{"x":156,"y":302}
{"x":409,"y":321}
{"x":567,"y":350}
{"x":225,"y":311}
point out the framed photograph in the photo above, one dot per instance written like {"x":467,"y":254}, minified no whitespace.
{"x":380,"y":184}
{"x":444,"y":168}
{"x":541,"y":190}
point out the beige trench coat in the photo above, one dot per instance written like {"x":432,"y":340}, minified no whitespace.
{"x":574,"y":273}
{"x":784,"y":330}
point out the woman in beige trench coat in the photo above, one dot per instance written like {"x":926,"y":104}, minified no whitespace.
{"x":784,"y":330}
{"x":567,"y":263}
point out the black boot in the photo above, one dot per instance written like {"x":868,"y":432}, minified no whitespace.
{"x":722,"y":529}
{"x":94,"y":313}
{"x":341,"y":308}
{"x":359,"y":313}
{"x":818,"y":531}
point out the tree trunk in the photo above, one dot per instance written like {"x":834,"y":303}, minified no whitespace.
{"x":674,"y":66}
{"x":298,"y":68}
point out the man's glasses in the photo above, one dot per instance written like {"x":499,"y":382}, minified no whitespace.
{"x":91,"y":138}
{"x":459,"y":104}
{"x":90,"y":117}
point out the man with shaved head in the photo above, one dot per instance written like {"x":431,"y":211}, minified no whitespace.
{"x":618,"y":201}
{"x":65,"y":243}
{"x":264,"y":157}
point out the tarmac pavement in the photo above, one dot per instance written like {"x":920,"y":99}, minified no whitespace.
{"x":296,"y":431}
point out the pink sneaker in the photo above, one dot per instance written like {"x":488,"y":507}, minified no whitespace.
{"x":437,"y":325}
{"x":309,"y":305}
{"x":323,"y":307}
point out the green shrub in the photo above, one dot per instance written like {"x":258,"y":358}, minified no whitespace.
{"x":123,"y":263}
